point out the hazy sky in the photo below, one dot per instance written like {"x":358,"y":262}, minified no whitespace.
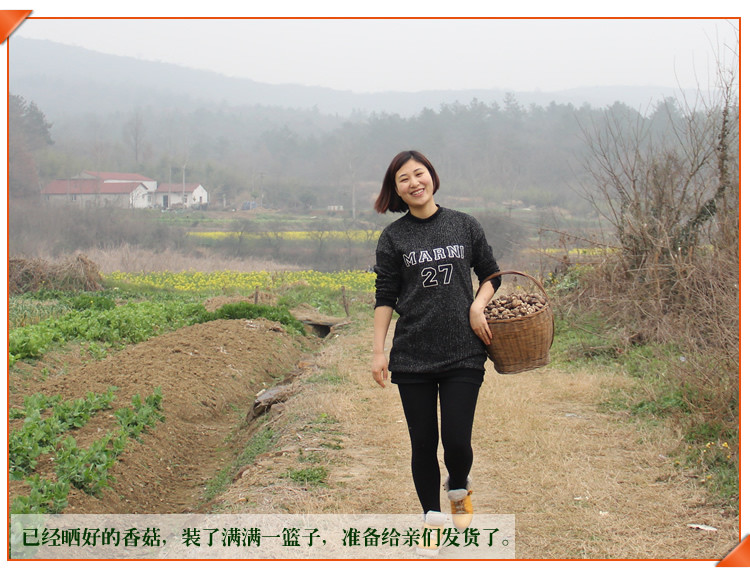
{"x":415,"y":54}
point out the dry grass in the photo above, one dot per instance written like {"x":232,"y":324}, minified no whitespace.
{"x":691,"y":303}
{"x":584,"y":484}
{"x":581,"y":483}
{"x":131,"y":259}
{"x":30,"y":275}
{"x":331,"y":422}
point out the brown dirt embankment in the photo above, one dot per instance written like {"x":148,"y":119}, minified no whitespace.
{"x":209,"y":375}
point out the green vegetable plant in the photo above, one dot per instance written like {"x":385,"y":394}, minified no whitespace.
{"x":46,"y":424}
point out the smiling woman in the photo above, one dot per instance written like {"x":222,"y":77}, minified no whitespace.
{"x":424,"y":262}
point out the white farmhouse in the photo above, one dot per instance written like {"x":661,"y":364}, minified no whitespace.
{"x":120,"y":189}
{"x":180,"y":195}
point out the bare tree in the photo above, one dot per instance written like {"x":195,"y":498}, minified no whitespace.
{"x":669,"y":185}
{"x":660,"y":180}
{"x":134,"y":133}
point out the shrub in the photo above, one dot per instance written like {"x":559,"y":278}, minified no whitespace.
{"x":239,"y":310}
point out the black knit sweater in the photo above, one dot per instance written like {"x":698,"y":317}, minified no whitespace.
{"x":423,"y":269}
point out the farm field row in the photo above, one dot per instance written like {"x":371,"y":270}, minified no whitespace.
{"x":246,"y":282}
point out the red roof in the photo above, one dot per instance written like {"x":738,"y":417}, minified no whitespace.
{"x":175,"y":188}
{"x":78,"y":186}
{"x":118,"y":176}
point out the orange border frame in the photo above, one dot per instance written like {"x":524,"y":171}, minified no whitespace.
{"x":740,"y":554}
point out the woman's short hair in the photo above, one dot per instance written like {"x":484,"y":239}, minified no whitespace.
{"x":388,"y":199}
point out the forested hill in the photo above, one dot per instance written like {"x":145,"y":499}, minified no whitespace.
{"x":55,"y":75}
{"x":300,"y":147}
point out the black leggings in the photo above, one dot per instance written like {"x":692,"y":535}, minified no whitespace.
{"x":458,"y":401}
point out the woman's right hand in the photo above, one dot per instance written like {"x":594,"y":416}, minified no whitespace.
{"x":380,"y":369}
{"x":383,"y":316}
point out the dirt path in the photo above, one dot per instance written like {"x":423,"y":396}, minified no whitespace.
{"x":580,"y":482}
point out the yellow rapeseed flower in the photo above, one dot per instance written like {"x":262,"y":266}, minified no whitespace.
{"x":354,"y":235}
{"x":200,"y":282}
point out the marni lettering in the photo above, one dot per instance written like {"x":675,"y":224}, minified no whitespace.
{"x":427,"y":256}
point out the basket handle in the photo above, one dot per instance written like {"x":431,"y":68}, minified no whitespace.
{"x":501,"y":273}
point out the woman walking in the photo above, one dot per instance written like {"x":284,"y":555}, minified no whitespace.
{"x":424,"y":261}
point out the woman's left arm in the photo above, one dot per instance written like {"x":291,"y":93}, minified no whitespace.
{"x":476,"y":312}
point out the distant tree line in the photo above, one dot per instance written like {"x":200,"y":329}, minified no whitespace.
{"x":494,"y":153}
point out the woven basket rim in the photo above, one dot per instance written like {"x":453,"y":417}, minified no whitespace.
{"x":536,"y":281}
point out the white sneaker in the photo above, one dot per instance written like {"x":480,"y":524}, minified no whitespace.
{"x":432,"y":534}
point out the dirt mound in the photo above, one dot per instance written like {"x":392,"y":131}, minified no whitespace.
{"x":209,"y":375}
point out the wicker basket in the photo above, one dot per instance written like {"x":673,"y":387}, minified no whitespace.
{"x":523,"y":343}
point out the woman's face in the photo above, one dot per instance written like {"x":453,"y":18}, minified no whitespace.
{"x":414,"y":185}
